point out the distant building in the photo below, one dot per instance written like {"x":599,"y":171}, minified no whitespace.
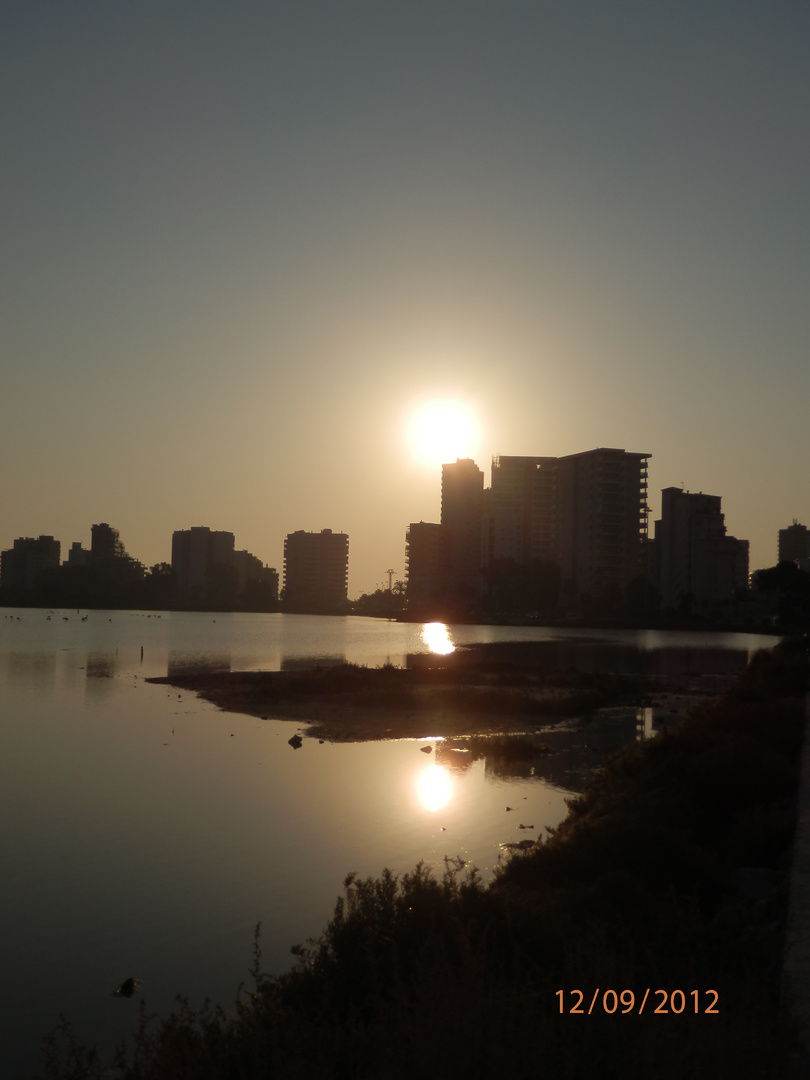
{"x":251,"y":571}
{"x":23,"y":566}
{"x":105,"y":543}
{"x":208,"y":569}
{"x":77,"y":556}
{"x":794,"y":545}
{"x":195,"y":552}
{"x":316,"y":571}
{"x":521,"y":513}
{"x":601,"y":520}
{"x":460,"y":543}
{"x":108,"y":559}
{"x":422,"y":543}
{"x":586,"y":513}
{"x":696,"y":563}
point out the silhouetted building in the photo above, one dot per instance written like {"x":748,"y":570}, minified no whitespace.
{"x":422,"y":542}
{"x":77,"y":556}
{"x":584,"y":513}
{"x":794,"y":545}
{"x":110,"y":566}
{"x":521,"y":511}
{"x":195,"y":554}
{"x":696,"y":564}
{"x":105,"y":543}
{"x":251,"y":572}
{"x":22,"y":566}
{"x":460,"y":543}
{"x":601,"y":521}
{"x":316,"y":571}
{"x":248,"y":568}
{"x":208,"y":570}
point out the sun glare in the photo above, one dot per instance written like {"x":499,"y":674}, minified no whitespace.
{"x":434,"y":787}
{"x":440,"y":431}
{"x":437,"y":639}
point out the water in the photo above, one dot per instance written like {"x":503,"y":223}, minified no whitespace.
{"x":145,"y":833}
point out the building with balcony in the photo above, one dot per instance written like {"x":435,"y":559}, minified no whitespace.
{"x":316,"y":572}
{"x":696,"y":564}
{"x":585,"y":513}
{"x":520,"y":520}
{"x":601,"y":521}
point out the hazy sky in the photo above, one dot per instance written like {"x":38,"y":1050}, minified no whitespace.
{"x":241,"y":240}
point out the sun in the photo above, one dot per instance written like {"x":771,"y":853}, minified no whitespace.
{"x":440,"y":430}
{"x":434,"y":787}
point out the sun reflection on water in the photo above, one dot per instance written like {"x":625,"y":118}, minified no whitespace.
{"x":434,"y":786}
{"x":435,"y":636}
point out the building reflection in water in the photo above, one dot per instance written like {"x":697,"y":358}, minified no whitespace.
{"x":100,"y":665}
{"x":188,"y":663}
{"x":305,"y":663}
{"x":564,"y":756}
{"x":577,"y":654}
{"x":34,"y":668}
{"x":644,"y":723}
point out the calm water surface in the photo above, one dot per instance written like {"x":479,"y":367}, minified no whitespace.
{"x":143,"y":832}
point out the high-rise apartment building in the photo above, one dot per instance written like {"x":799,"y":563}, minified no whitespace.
{"x":105,"y":543}
{"x":194,"y":552}
{"x":22,"y":566}
{"x":316,"y":571}
{"x":250,"y":569}
{"x":77,"y":556}
{"x":208,"y":569}
{"x":460,"y":542}
{"x":586,"y":513}
{"x":422,"y":544}
{"x":601,"y":520}
{"x":695,"y":561}
{"x":794,"y":545}
{"x":520,"y":521}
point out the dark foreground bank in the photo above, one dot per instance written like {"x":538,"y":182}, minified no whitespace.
{"x":644,"y":937}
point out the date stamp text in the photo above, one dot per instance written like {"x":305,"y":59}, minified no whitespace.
{"x":625,"y":1001}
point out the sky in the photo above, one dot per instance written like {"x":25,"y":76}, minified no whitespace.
{"x":243,"y":242}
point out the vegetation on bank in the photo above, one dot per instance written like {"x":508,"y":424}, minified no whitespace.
{"x":670,"y":874}
{"x":121,"y":584}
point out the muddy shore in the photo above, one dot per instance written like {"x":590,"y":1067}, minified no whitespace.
{"x":469,"y":695}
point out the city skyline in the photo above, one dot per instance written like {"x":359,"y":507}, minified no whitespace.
{"x":520,"y":519}
{"x":244,"y":247}
{"x":76,"y":548}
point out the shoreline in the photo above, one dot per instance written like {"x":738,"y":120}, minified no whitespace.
{"x":668,"y":879}
{"x":357,"y":704}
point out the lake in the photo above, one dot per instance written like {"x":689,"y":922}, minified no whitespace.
{"x":143,"y":832}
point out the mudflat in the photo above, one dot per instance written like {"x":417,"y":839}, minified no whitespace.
{"x":472,"y":692}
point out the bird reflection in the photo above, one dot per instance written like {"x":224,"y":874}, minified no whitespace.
{"x":434,"y":787}
{"x":435,"y":636}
